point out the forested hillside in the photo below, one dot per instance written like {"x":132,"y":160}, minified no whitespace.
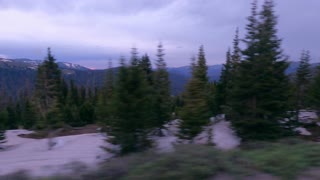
{"x":17,"y":77}
{"x":259,"y":102}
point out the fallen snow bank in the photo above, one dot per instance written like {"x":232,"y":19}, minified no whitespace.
{"x":218,"y":133}
{"x":224,"y":137}
{"x":33,"y":154}
{"x":303,"y":131}
{"x":308,"y":116}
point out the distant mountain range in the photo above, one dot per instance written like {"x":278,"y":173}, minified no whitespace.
{"x":17,"y":75}
{"x":33,"y":64}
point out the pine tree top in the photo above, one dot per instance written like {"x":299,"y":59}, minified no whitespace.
{"x":160,"y":63}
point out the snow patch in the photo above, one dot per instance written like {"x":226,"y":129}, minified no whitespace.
{"x":218,"y":133}
{"x":224,"y":137}
{"x":303,"y":131}
{"x":5,"y":60}
{"x":307,"y":116}
{"x":33,"y":154}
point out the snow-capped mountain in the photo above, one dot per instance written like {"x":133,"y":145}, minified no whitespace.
{"x":66,"y":65}
{"x":33,"y":64}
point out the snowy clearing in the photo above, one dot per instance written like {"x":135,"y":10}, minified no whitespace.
{"x":33,"y":154}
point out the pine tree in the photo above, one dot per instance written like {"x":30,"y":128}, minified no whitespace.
{"x":71,"y":108}
{"x":302,"y":80}
{"x":236,"y":54}
{"x":195,"y":113}
{"x":2,"y":135}
{"x":109,"y":81}
{"x":131,"y":108}
{"x":13,"y":116}
{"x":260,"y":93}
{"x":29,"y":115}
{"x":162,"y":99}
{"x":222,"y":88}
{"x":104,"y":104}
{"x":145,"y":65}
{"x":228,"y":73}
{"x":3,"y":120}
{"x":86,"y":113}
{"x":313,"y":94}
{"x":47,"y":93}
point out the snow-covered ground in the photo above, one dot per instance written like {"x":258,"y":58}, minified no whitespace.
{"x":308,"y":116}
{"x":33,"y":154}
{"x":219,"y":133}
{"x":224,"y":137}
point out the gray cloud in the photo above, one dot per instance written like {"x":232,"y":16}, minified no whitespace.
{"x":91,"y":31}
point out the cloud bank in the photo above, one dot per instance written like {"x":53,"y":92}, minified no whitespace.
{"x":90,"y":32}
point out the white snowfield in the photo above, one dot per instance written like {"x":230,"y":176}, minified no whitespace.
{"x":220,"y":134}
{"x":33,"y":154}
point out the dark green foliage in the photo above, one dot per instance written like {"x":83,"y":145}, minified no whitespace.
{"x":14,"y":115}
{"x":104,"y":102}
{"x":54,"y":118}
{"x":162,"y":100}
{"x":86,"y":113}
{"x":78,"y":107}
{"x":228,"y":73}
{"x":3,"y":120}
{"x":145,"y":65}
{"x":29,"y":116}
{"x":314,"y":91}
{"x":132,"y":108}
{"x":201,"y":68}
{"x":177,"y":104}
{"x":2,"y":135}
{"x":195,"y":113}
{"x":71,"y":107}
{"x":223,"y":86}
{"x":48,"y":92}
{"x":236,"y":53}
{"x":195,"y":110}
{"x":302,"y":80}
{"x":261,"y":88}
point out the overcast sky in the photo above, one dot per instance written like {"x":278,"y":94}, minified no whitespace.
{"x":90,"y":32}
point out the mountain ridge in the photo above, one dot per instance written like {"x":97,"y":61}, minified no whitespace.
{"x":18,"y":75}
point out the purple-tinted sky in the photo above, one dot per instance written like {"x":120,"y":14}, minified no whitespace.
{"x":90,"y":32}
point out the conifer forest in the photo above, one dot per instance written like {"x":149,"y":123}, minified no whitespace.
{"x":140,"y":119}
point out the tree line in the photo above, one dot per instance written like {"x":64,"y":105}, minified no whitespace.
{"x":253,"y":92}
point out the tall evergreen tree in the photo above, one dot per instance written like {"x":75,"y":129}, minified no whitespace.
{"x":302,"y":80}
{"x":260,"y":93}
{"x":236,"y":53}
{"x":3,"y":120}
{"x":201,"y":71}
{"x":195,"y":113}
{"x":47,"y":92}
{"x":2,"y":135}
{"x":145,"y":65}
{"x":228,"y":73}
{"x":104,"y":104}
{"x":314,"y":95}
{"x":162,"y":99}
{"x":29,"y":115}
{"x":222,"y":87}
{"x":109,"y":81}
{"x":131,"y":108}
{"x":13,"y":116}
